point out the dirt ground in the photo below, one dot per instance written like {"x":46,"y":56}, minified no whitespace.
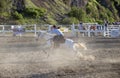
{"x":24,"y":58}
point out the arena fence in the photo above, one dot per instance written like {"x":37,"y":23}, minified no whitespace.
{"x":94,"y":29}
{"x":8,"y":30}
{"x":86,"y":29}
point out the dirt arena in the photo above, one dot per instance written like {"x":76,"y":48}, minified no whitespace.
{"x":24,"y":58}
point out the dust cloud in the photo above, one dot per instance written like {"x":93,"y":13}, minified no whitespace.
{"x":25,"y":59}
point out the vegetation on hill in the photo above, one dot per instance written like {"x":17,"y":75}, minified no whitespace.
{"x":58,"y":11}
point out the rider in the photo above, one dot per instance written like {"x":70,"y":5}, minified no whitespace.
{"x":59,"y":36}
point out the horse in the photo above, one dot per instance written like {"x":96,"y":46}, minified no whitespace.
{"x":69,"y":43}
{"x":76,"y":47}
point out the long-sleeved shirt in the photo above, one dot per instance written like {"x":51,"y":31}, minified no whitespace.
{"x":57,"y":32}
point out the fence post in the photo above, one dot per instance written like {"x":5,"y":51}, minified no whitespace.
{"x":119,"y":29}
{"x":73,"y":30}
{"x":35,"y":30}
{"x":3,"y":30}
{"x":49,"y":28}
{"x":89,"y":31}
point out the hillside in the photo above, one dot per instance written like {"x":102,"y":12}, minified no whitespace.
{"x":58,"y":11}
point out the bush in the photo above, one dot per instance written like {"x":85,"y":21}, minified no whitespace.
{"x":30,"y":12}
{"x":70,"y":20}
{"x":51,"y":21}
{"x":88,"y":10}
{"x":78,"y":13}
{"x":99,"y":21}
{"x":34,"y":12}
{"x":17,"y":15}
